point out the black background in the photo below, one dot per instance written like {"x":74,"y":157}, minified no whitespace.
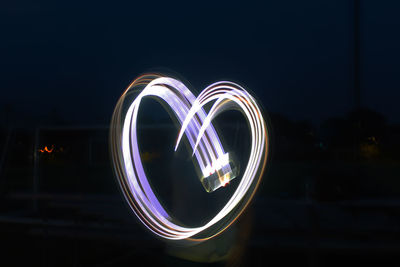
{"x":326,"y":73}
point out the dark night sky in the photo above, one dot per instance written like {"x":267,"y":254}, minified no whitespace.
{"x":297,"y":56}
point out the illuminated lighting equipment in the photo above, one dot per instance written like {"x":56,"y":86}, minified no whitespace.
{"x":216,"y":166}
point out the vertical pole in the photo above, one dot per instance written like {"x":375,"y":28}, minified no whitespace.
{"x":356,"y":54}
{"x":90,"y":150}
{"x":356,"y":71}
{"x":2,"y":161}
{"x":35,"y":169}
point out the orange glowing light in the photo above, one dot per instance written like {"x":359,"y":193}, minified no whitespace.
{"x":46,"y":149}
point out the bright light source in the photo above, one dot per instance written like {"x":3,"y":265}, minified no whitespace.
{"x":215,"y":165}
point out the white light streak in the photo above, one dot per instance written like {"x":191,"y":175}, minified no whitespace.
{"x":207,"y":150}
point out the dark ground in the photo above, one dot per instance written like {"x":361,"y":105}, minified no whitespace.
{"x":320,"y":203}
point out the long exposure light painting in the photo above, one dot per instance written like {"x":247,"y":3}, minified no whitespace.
{"x":216,"y":167}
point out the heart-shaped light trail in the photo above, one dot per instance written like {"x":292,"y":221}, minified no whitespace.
{"x":210,"y":156}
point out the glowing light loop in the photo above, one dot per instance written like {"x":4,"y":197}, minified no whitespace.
{"x":208,"y":151}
